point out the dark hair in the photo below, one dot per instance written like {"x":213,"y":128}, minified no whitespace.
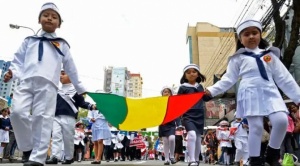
{"x":200,"y":78}
{"x":170,"y":90}
{"x":263,"y":44}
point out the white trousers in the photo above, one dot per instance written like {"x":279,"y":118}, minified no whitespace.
{"x":241,"y":144}
{"x":63,"y":134}
{"x":38,"y":96}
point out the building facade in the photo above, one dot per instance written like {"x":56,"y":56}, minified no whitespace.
{"x":209,"y":47}
{"x":119,"y":81}
{"x":6,"y":88}
{"x":135,"y":86}
{"x":107,"y":79}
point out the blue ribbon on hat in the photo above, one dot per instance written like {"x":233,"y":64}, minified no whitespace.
{"x":259,"y":62}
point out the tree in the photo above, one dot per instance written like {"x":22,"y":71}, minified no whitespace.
{"x":280,"y":31}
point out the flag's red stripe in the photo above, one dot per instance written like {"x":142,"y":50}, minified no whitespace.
{"x":179,"y":104}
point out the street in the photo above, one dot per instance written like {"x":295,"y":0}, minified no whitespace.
{"x":125,"y":163}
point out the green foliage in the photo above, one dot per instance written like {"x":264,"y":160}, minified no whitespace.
{"x":82,"y":113}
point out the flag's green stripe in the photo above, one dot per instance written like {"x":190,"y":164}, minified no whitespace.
{"x":113,"y":107}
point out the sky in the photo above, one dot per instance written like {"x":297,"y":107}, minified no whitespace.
{"x":146,"y":36}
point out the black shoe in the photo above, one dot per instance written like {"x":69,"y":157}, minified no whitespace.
{"x":96,"y":162}
{"x":68,"y":161}
{"x":256,"y":161}
{"x":32,"y":163}
{"x":167,"y":163}
{"x":173,"y":161}
{"x":272,"y":156}
{"x":25,"y":157}
{"x":52,"y":160}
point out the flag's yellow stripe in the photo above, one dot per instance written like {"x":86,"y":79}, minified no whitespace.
{"x":144,"y":113}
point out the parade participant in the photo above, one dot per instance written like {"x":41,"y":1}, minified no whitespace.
{"x":224,"y":136}
{"x":37,"y":64}
{"x":79,"y":140}
{"x":4,"y":130}
{"x":100,"y":132}
{"x":261,"y":73}
{"x":68,"y":102}
{"x":240,"y":132}
{"x":193,"y":119}
{"x":167,"y":132}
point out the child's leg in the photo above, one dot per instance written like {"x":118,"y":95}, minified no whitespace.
{"x":166,"y":144}
{"x":100,"y":149}
{"x":255,"y":133}
{"x":239,"y":150}
{"x":191,"y":145}
{"x":40,"y":95}
{"x":68,"y":132}
{"x":96,"y":150}
{"x":2,"y":148}
{"x":197,"y":147}
{"x":279,"y":123}
{"x":19,"y":116}
{"x":172,"y":145}
{"x":57,"y":138}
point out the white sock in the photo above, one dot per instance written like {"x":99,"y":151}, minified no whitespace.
{"x":166,"y":144}
{"x":172,"y":146}
{"x":191,"y":142}
{"x":79,"y":156}
{"x":1,"y":149}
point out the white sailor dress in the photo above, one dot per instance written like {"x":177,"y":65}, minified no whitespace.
{"x":256,"y":95}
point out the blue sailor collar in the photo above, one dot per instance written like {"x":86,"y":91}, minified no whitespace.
{"x":49,"y":36}
{"x":276,"y":51}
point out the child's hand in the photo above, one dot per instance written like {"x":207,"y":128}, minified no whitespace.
{"x":94,"y":107}
{"x":7,"y":76}
{"x":207,"y":92}
{"x":93,"y":120}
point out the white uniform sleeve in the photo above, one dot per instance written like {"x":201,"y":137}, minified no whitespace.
{"x":228,"y":79}
{"x":90,"y":115}
{"x":71,"y":70}
{"x":285,"y":80}
{"x":18,"y":61}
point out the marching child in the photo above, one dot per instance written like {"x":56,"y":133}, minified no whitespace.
{"x":193,"y":119}
{"x":240,"y":131}
{"x":100,"y":132}
{"x":261,"y":71}
{"x":5,"y":127}
{"x":37,"y":65}
{"x":225,"y":138}
{"x":167,"y":132}
{"x":79,"y":137}
{"x":68,"y":102}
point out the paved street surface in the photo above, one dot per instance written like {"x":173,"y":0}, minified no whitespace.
{"x":121,"y":163}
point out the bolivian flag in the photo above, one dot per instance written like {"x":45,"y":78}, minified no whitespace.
{"x":135,"y":114}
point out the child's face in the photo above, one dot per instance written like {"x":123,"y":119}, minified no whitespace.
{"x":4,"y":112}
{"x":64,"y":78}
{"x":191,"y":75}
{"x":166,"y":92}
{"x":49,"y":20}
{"x":250,"y":37}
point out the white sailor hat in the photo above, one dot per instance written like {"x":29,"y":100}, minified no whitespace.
{"x":248,"y":23}
{"x":167,"y":87}
{"x":50,"y":5}
{"x":191,"y":66}
{"x":224,"y":123}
